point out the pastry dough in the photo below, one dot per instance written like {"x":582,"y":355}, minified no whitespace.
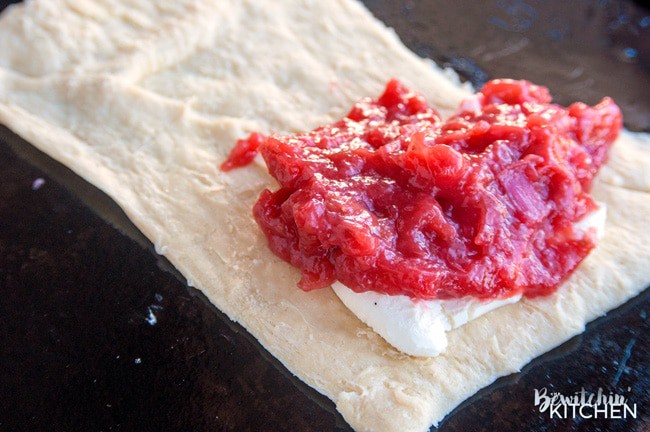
{"x":145,"y":98}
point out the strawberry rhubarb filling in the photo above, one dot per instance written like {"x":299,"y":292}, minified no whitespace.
{"x":488,"y":204}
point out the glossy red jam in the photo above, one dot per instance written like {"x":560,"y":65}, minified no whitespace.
{"x":394,"y":200}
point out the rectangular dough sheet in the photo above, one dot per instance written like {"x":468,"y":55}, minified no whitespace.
{"x":144,"y":99}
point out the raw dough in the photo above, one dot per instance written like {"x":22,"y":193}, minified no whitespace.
{"x":145,"y":98}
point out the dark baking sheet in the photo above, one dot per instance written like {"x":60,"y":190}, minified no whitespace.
{"x":99,"y":333}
